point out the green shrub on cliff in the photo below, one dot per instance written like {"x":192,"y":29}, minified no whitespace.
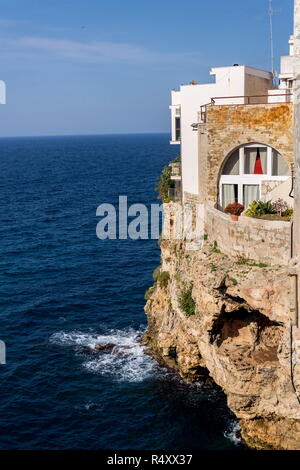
{"x":215,"y":248}
{"x":161,"y":277}
{"x":156,"y":273}
{"x":247,"y":261}
{"x":149,"y":292}
{"x":165,"y":183}
{"x":187,"y":303}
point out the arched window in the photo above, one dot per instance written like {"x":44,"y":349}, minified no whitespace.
{"x":245,"y":169}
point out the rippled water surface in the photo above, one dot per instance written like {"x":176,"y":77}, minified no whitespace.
{"x":63,"y":291}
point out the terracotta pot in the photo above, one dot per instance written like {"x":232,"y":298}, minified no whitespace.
{"x":235,"y":218}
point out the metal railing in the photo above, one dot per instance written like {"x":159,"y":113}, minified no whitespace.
{"x":248,"y":99}
{"x":175,"y":170}
{"x":174,"y":194}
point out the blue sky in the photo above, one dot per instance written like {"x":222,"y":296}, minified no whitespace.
{"x":102,"y":66}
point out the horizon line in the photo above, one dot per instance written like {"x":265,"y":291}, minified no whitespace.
{"x":83,"y":135}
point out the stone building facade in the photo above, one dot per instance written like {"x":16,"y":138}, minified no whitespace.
{"x":229,"y":127}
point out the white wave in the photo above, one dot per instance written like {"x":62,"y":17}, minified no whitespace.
{"x":233,"y":433}
{"x":90,"y":406}
{"x":125,"y":362}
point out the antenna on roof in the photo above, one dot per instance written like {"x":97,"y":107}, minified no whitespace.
{"x":271,"y":13}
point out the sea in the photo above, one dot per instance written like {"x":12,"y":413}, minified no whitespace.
{"x":63,"y":290}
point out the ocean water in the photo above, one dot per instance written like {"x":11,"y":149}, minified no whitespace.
{"x":62,"y":290}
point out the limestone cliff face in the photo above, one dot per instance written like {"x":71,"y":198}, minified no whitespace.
{"x":239,"y":336}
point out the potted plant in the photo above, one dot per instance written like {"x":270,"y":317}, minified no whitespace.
{"x":235,"y":209}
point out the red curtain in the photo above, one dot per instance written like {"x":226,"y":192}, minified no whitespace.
{"x":258,"y":166}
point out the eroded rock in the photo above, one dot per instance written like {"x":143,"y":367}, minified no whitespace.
{"x":104,"y":347}
{"x":239,"y":336}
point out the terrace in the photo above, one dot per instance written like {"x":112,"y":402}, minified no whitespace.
{"x":273,"y":97}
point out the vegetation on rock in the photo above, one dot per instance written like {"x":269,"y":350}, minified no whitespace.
{"x":215,"y":248}
{"x":187,"y":303}
{"x":161,"y":277}
{"x":149,"y":292}
{"x":165,"y":182}
{"x":213,"y":267}
{"x":156,"y":273}
{"x":234,"y":319}
{"x":247,"y":261}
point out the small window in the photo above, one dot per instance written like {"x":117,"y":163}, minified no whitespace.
{"x":279,"y":165}
{"x":232,"y":166}
{"x":177,"y":128}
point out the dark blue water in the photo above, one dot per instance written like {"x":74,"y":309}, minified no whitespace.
{"x":63,"y":290}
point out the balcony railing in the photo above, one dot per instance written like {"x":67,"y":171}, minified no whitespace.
{"x":175,"y":171}
{"x":174,"y":194}
{"x":247,"y":100}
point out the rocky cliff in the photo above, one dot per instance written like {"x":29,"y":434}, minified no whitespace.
{"x":210,"y":315}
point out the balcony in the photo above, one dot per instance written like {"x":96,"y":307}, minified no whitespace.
{"x":174,"y":194}
{"x":274,"y":96}
{"x":175,"y":171}
{"x":175,"y":191}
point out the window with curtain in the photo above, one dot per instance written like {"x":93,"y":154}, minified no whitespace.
{"x":279,"y":165}
{"x":229,"y":194}
{"x":232,"y":166}
{"x":255,"y":160}
{"x":250,"y":194}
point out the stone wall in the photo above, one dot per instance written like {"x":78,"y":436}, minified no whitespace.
{"x":228,"y":127}
{"x":268,"y":185}
{"x":273,"y":190}
{"x":260,"y":240}
{"x":190,"y":198}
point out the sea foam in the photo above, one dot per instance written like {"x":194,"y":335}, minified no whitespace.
{"x":126,"y":361}
{"x":233,"y":433}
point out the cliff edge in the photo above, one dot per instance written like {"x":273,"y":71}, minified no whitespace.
{"x":228,"y":318}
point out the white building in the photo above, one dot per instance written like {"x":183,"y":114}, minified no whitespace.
{"x":233,"y":85}
{"x":286,"y":76}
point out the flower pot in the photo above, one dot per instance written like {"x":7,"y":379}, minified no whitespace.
{"x":235,"y":218}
